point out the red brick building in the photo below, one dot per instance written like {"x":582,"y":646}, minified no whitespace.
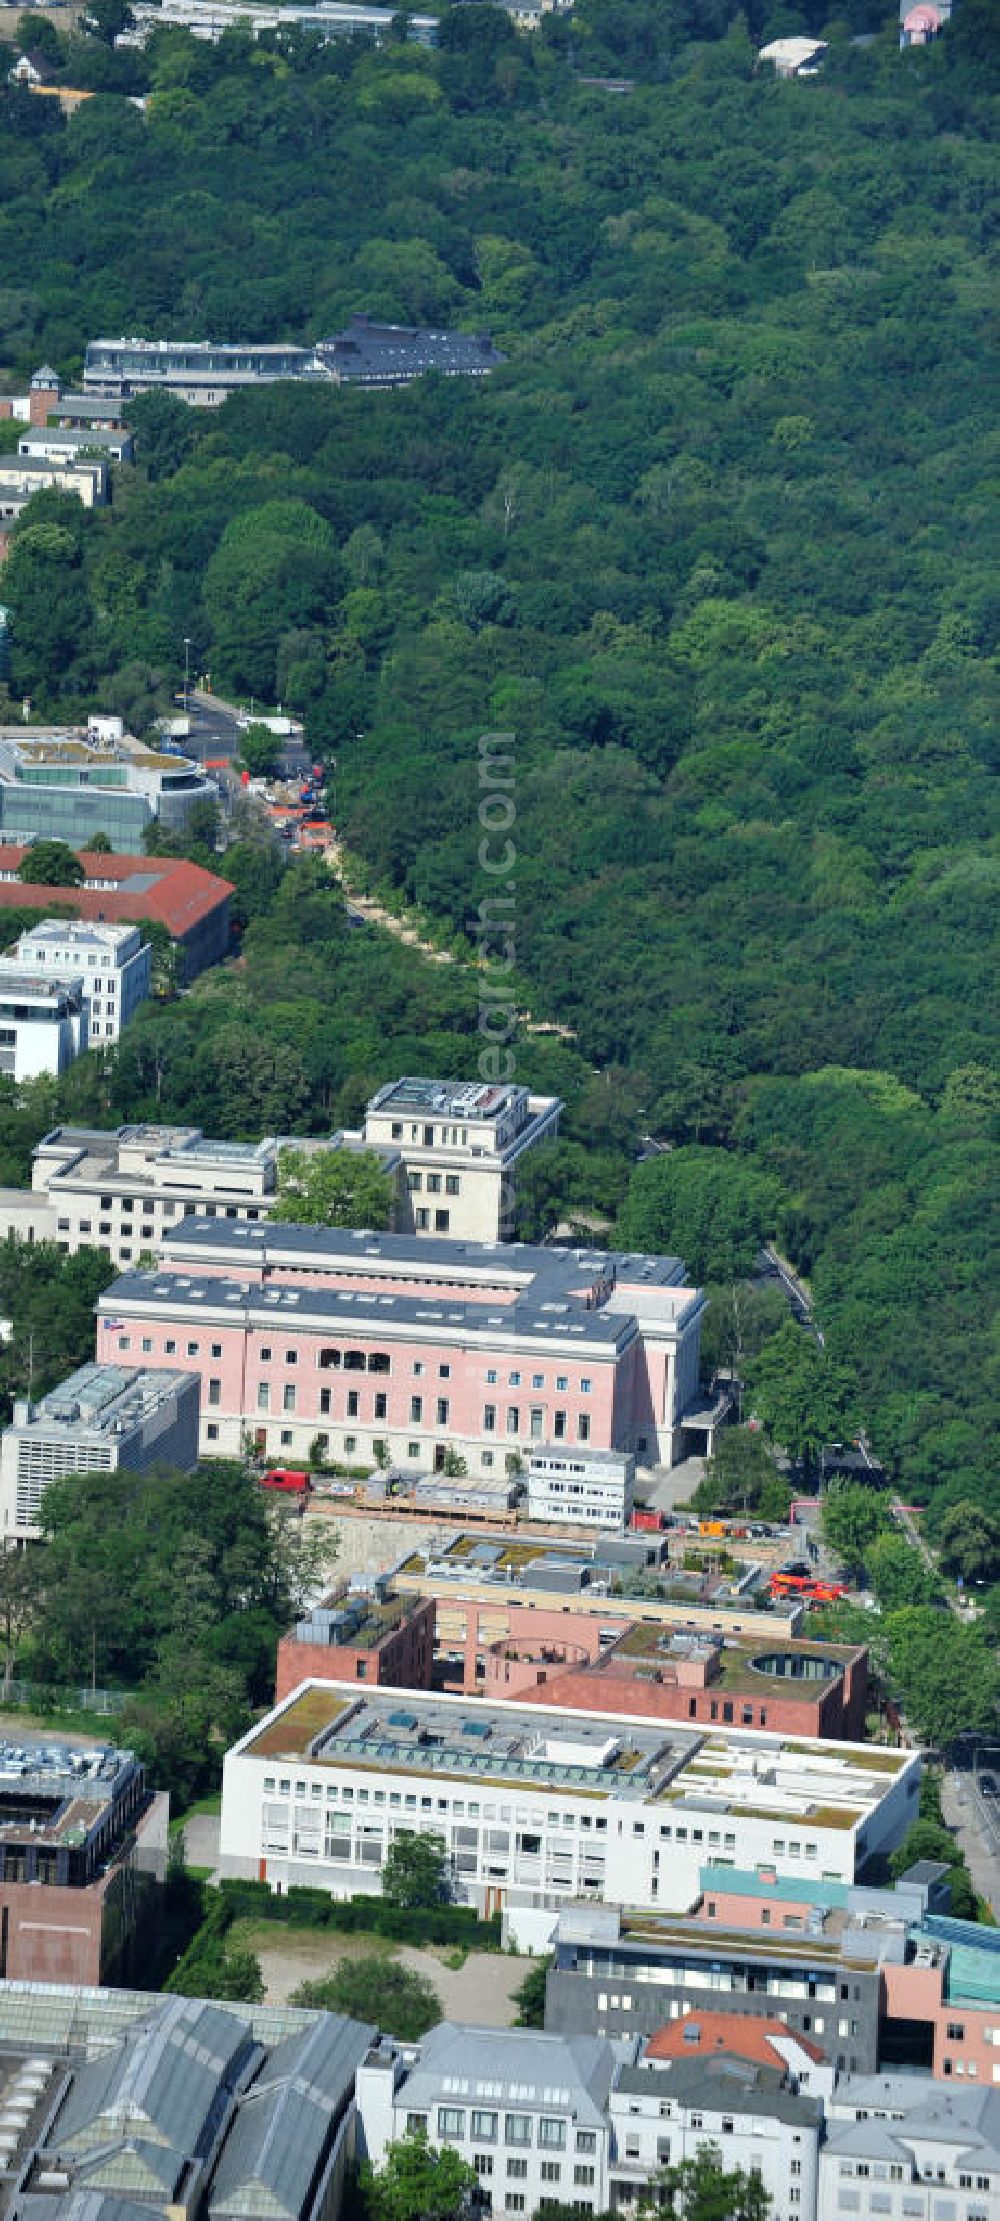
{"x":386,"y":1642}
{"x":571,"y":1659}
{"x":83,"y":1847}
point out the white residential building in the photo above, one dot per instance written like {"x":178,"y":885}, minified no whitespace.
{"x":103,"y":1418}
{"x":536,"y":1809}
{"x":526,"y":2109}
{"x":43,"y":1022}
{"x":907,"y":2148}
{"x":461,"y":1144}
{"x":582,"y":1488}
{"x":123,"y":1190}
{"x":112,"y":961}
{"x":663,"y":2111}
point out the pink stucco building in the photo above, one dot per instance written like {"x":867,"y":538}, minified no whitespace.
{"x":389,"y":1346}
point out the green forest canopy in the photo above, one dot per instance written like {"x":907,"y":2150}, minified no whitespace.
{"x":715,"y":544}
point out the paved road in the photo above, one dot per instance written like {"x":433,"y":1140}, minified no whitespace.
{"x":201,"y":1839}
{"x":913,"y":1535}
{"x":797,"y":1293}
{"x":977,"y":1828}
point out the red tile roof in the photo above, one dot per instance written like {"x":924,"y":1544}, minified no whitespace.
{"x":177,"y":893}
{"x":740,"y":2034}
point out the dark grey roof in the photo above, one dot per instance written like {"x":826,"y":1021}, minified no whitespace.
{"x":349,"y":1314}
{"x":161,"y":2084}
{"x":279,"y":2140}
{"x":722,"y":2083}
{"x":393,"y":352}
{"x":80,"y":2205}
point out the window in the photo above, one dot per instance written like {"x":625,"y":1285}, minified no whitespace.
{"x":442,"y":1411}
{"x":586,"y":2140}
{"x":489,"y":1419}
{"x":416,"y":1410}
{"x":125,"y":1342}
{"x":451,"y":2120}
{"x":215,"y":1391}
{"x":325,"y":1402}
{"x":513,"y":1380}
{"x":550,"y":2170}
{"x":413,"y":1449}
{"x":584,"y":2175}
{"x":515,"y":2202}
{"x":418,"y":1366}
{"x":169,"y":1348}
{"x":956,"y":2031}
{"x":517,"y":2169}
{"x":513,"y":1419}
{"x":517,"y":2128}
{"x":217,"y":1349}
{"x":483,"y":2162}
{"x":212,"y":1431}
{"x":584,"y":1387}
{"x":422,"y":1220}
{"x":452,"y":1185}
{"x":291,"y":1357}
{"x":484,"y":2128}
{"x":265,"y":1354}
{"x":444,"y":1372}
{"x":285,"y":1438}
{"x":414,"y":1181}
{"x":381,"y":1406}
{"x":288,"y":1397}
{"x":416,"y":2124}
{"x":552,"y":2133}
{"x":353,"y":1403}
{"x":583,"y":1427}
{"x":442,"y":1222}
{"x":192,"y":1349}
{"x":434,"y":1183}
{"x":146,"y":1344}
{"x":491,"y":1378}
{"x":560,"y":1426}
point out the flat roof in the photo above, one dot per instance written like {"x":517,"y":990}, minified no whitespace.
{"x":608,"y":1755}
{"x":460,"y":1099}
{"x":40,"y":986}
{"x":79,"y":932}
{"x":53,"y":1793}
{"x":104,"y":1399}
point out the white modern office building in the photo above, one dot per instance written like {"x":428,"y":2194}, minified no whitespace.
{"x":535,"y":1808}
{"x":103,"y":1419}
{"x":580,"y":1488}
{"x":122,"y":1190}
{"x":526,"y":2109}
{"x":43,"y":1022}
{"x":113,"y":963}
{"x":461,"y":1144}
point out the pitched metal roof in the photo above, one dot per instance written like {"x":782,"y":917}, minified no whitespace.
{"x":279,"y":2140}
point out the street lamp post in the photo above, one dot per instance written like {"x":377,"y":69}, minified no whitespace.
{"x":187,"y":674}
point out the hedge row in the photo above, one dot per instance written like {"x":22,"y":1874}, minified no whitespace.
{"x":313,"y":1908}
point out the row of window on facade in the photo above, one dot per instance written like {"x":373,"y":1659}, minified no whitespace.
{"x":361,"y":1361}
